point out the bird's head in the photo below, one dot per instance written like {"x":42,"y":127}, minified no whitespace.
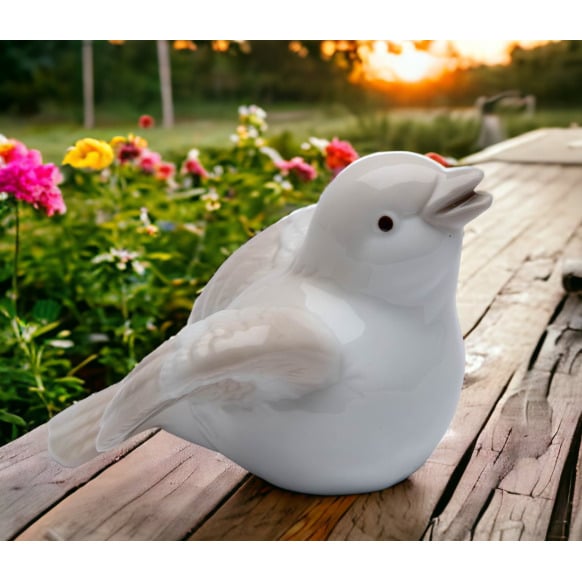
{"x":391,"y":224}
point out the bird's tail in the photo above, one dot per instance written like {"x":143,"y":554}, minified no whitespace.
{"x":72,"y":432}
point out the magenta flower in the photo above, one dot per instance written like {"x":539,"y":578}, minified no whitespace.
{"x":24,"y":176}
{"x":299,"y":167}
{"x":149,"y":161}
{"x":194,"y":167}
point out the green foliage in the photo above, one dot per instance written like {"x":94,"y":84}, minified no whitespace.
{"x":100,"y":287}
{"x":446,"y":133}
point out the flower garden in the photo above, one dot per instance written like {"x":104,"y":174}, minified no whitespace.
{"x":103,"y":257}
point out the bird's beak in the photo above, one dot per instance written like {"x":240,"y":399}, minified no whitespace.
{"x":454,"y":201}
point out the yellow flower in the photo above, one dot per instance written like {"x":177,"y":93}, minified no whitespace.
{"x":118,"y":139}
{"x":135,"y":140}
{"x":90,"y":153}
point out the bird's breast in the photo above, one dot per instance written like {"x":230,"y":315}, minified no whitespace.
{"x":385,"y":347}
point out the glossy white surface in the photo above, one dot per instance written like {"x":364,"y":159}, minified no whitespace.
{"x":325,"y":355}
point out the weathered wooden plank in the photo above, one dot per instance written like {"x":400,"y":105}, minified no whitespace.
{"x":160,"y":491}
{"x":31,"y":482}
{"x":276,"y":515}
{"x":506,"y":193}
{"x":505,"y":223}
{"x":541,"y":238}
{"x":575,"y":532}
{"x":510,"y":484}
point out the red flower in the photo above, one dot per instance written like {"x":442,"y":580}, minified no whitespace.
{"x":146,"y":121}
{"x":300,"y":167}
{"x":165,"y":171}
{"x":439,"y":159}
{"x":128,"y":152}
{"x":339,"y":154}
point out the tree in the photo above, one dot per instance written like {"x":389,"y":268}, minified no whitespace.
{"x":88,"y":85}
{"x":165,"y":83}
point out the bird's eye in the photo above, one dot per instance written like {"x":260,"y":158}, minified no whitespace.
{"x":385,"y":223}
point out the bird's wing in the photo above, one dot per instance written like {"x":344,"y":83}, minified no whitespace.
{"x":270,"y":250}
{"x":232,"y":347}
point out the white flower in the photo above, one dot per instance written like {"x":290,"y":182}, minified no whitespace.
{"x":138,"y":267}
{"x":194,"y":228}
{"x":211,"y":201}
{"x":255,"y":110}
{"x":122,"y":259}
{"x":61,"y":343}
{"x":272,"y":153}
{"x":319,"y":144}
{"x":193,"y":154}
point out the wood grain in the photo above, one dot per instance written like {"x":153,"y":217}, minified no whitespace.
{"x":510,"y":486}
{"x":541,"y":238}
{"x":276,"y":515}
{"x":31,"y":482}
{"x":160,"y":491}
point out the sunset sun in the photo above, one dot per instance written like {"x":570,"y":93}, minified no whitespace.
{"x":409,"y":64}
{"x":407,"y":61}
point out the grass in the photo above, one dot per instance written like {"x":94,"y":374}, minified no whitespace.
{"x":211,"y":128}
{"x":450,"y":132}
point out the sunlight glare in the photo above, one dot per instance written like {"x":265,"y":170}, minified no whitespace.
{"x":409,"y":65}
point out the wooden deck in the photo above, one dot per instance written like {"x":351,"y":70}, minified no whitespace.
{"x":509,"y":468}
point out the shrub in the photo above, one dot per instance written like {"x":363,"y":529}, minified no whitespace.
{"x":87,"y":293}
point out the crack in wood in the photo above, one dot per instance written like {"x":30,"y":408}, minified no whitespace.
{"x":559,"y":526}
{"x":478,"y":321}
{"x":481,"y":513}
{"x":472,"y":450}
{"x":536,"y":352}
{"x":218,"y":506}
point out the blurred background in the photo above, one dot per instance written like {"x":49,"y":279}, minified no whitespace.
{"x":383,"y":94}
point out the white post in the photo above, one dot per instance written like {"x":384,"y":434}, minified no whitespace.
{"x":165,"y":83}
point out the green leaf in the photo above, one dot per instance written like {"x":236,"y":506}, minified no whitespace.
{"x":160,"y":256}
{"x":10,"y":418}
{"x":46,"y":310}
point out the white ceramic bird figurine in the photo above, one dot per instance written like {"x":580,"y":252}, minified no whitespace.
{"x":325,"y":355}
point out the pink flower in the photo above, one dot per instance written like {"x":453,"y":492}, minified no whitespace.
{"x":146,"y":121}
{"x":149,"y":161}
{"x":194,"y":167}
{"x":339,"y":154}
{"x":298,"y":166}
{"x":26,"y":178}
{"x":165,"y":171}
